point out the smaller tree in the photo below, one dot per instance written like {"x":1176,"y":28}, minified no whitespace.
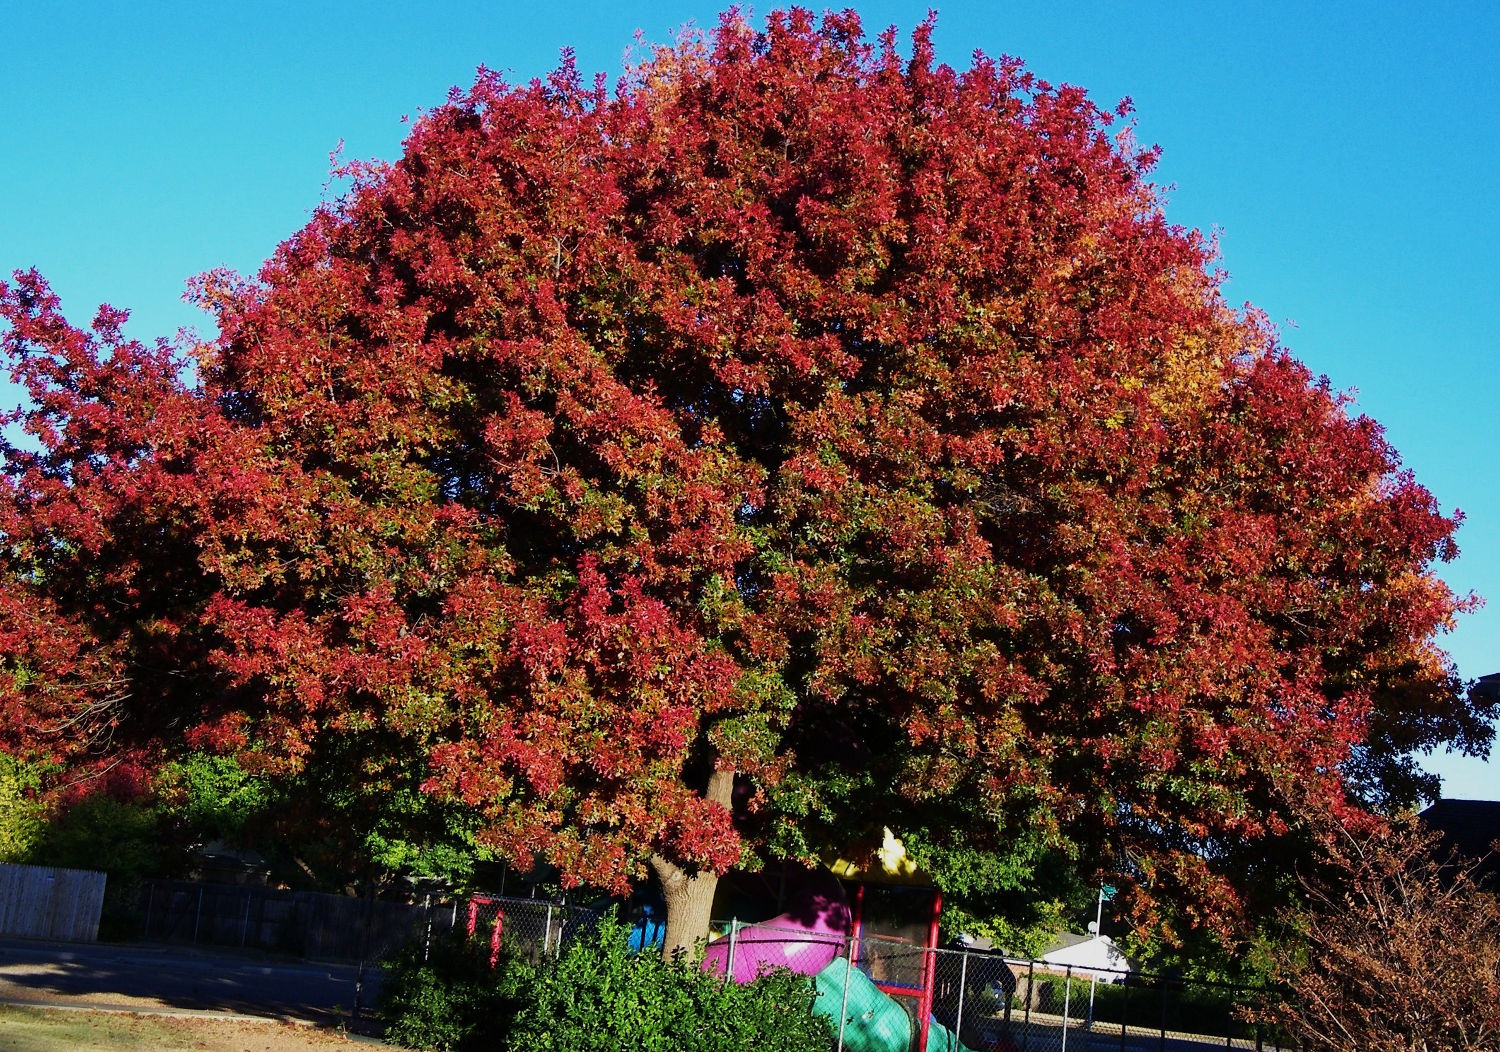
{"x":21,"y":811}
{"x":1401,"y":952}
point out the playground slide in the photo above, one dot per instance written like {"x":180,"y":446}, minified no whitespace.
{"x":809,"y":938}
{"x":650,"y":931}
{"x":781,"y":942}
{"x":873,"y":1020}
{"x":805,"y":938}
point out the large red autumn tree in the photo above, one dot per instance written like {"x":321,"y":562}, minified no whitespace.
{"x":799,"y":439}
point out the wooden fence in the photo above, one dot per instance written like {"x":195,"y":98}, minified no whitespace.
{"x":40,"y":902}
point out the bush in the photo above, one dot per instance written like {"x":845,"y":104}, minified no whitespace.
{"x":450,"y":1000}
{"x":598,"y":995}
{"x":1182,"y":1006}
{"x":1400,"y":950}
{"x":21,"y":813}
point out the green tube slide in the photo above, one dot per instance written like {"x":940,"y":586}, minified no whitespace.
{"x":873,"y":1020}
{"x":941,"y":1039}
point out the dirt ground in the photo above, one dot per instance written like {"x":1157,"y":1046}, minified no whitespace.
{"x":52,"y":1030}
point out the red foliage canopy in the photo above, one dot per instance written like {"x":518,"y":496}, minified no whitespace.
{"x":799,"y":409}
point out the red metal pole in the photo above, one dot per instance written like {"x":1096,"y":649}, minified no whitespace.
{"x":929,"y":970}
{"x":859,"y":923}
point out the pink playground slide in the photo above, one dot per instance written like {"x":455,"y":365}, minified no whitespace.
{"x":805,"y":938}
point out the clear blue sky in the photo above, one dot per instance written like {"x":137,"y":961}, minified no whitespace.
{"x":1347,"y":153}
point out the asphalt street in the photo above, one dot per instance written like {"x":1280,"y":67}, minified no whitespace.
{"x":158,"y":978}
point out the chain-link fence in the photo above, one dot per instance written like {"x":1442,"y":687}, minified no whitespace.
{"x":531,"y":928}
{"x":297,"y":923}
{"x":356,"y":931}
{"x":985,"y":1001}
{"x":887,"y":995}
{"x":879,"y":994}
{"x":343,"y":928}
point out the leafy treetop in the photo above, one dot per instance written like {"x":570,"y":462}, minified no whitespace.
{"x":829,"y":420}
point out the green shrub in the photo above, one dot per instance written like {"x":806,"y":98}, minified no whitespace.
{"x":450,"y":999}
{"x":127,"y":840}
{"x":1181,"y":1006}
{"x":21,"y":812}
{"x":601,"y":996}
{"x":596,"y":996}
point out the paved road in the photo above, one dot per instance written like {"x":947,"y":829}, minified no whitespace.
{"x":146,"y":978}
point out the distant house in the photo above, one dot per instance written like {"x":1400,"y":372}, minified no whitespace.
{"x":1089,"y":956}
{"x":1469,"y":827}
{"x":1487,"y":688}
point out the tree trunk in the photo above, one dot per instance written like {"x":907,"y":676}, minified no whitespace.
{"x":690,"y":894}
{"x":690,"y":898}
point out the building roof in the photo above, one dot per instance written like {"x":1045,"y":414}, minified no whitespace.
{"x":1487,"y":688}
{"x":1469,"y":827}
{"x":1088,"y":951}
{"x":1064,"y":939}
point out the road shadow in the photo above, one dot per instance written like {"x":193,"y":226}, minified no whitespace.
{"x":116,"y":976}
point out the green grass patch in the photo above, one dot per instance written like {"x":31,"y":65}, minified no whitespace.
{"x":42,"y":1030}
{"x":52,"y":1030}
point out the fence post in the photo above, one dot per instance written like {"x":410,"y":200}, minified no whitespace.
{"x":359,"y":984}
{"x":734,"y":930}
{"x":427,"y":938}
{"x":1124,"y":1011}
{"x":1163,"y":1044}
{"x":1008,"y":991}
{"x":1233,"y":999}
{"x":1093,"y":986}
{"x":547,"y":933}
{"x":1030,"y":990}
{"x":844,"y":1007}
{"x":1067,"y":997}
{"x":245,"y":926}
{"x":198,"y":917}
{"x":150,"y":894}
{"x":364,"y":949}
{"x":963,"y":981}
